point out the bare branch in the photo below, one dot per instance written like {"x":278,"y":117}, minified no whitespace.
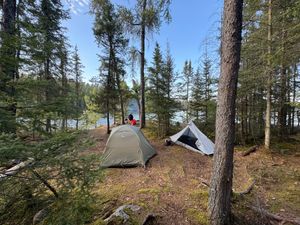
{"x":45,"y":182}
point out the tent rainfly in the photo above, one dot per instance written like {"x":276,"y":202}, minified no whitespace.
{"x":127,"y":146}
{"x":192,"y":138}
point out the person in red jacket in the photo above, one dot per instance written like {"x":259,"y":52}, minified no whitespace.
{"x":131,"y":120}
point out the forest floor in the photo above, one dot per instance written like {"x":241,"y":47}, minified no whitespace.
{"x":173,"y":184}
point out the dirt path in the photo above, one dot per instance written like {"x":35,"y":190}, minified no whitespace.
{"x":171,"y":185}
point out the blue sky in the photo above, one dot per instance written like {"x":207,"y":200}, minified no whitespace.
{"x":193,"y":22}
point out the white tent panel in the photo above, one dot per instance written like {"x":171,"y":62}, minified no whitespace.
{"x":202,"y":143}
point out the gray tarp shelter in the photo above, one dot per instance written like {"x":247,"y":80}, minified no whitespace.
{"x":127,"y":146}
{"x":193,"y":139}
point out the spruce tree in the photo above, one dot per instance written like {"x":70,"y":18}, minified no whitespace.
{"x":50,"y":34}
{"x":155,"y":95}
{"x":160,"y":100}
{"x":186,"y":85}
{"x":197,"y":97}
{"x":78,"y":76}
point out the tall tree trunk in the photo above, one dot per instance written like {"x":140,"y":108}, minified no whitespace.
{"x":121,"y":97}
{"x":288,"y":105}
{"x":47,"y":91}
{"x":294,"y":96}
{"x":18,"y":31}
{"x":108,"y":84}
{"x":8,"y":67}
{"x":221,"y":181}
{"x":77,"y":99}
{"x":269,"y":80}
{"x":143,"y":35}
{"x":187,"y":98}
{"x":167,"y":128}
{"x":282,"y":113}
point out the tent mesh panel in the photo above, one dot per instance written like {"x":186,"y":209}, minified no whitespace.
{"x":191,"y":141}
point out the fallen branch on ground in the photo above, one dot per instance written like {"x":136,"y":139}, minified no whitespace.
{"x":281,"y":219}
{"x":15,"y":169}
{"x":206,"y":183}
{"x":250,"y":150}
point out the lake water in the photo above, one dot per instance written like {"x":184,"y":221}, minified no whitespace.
{"x":131,"y":109}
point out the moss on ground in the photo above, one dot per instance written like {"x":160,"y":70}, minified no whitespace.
{"x":98,"y":222}
{"x":197,"y":217}
{"x":200,"y":196}
{"x":151,"y":191}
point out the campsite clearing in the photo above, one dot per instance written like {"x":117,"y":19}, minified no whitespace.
{"x":173,"y":184}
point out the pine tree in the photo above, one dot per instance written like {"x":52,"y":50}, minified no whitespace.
{"x":50,"y":35}
{"x":160,"y":101}
{"x":63,"y":56}
{"x":197,"y":97}
{"x":108,"y":31}
{"x":168,"y":76}
{"x":221,"y":181}
{"x":208,"y":84}
{"x":8,"y":37}
{"x":155,"y":95}
{"x":78,"y":74}
{"x":186,"y":84}
{"x":145,"y":17}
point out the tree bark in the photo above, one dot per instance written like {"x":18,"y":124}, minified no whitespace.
{"x":77,"y":87}
{"x":269,"y":80}
{"x":120,"y":94}
{"x":47,"y":91}
{"x":294,"y":96}
{"x":143,"y":35}
{"x":221,"y":181}
{"x":8,"y":68}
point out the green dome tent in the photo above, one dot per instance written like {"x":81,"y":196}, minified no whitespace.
{"x":127,"y":146}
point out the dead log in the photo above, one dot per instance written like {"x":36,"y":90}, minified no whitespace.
{"x":281,"y":219}
{"x":250,"y":150}
{"x":15,"y":169}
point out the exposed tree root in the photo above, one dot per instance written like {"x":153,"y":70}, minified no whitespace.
{"x":278,"y":218}
{"x":247,"y":191}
